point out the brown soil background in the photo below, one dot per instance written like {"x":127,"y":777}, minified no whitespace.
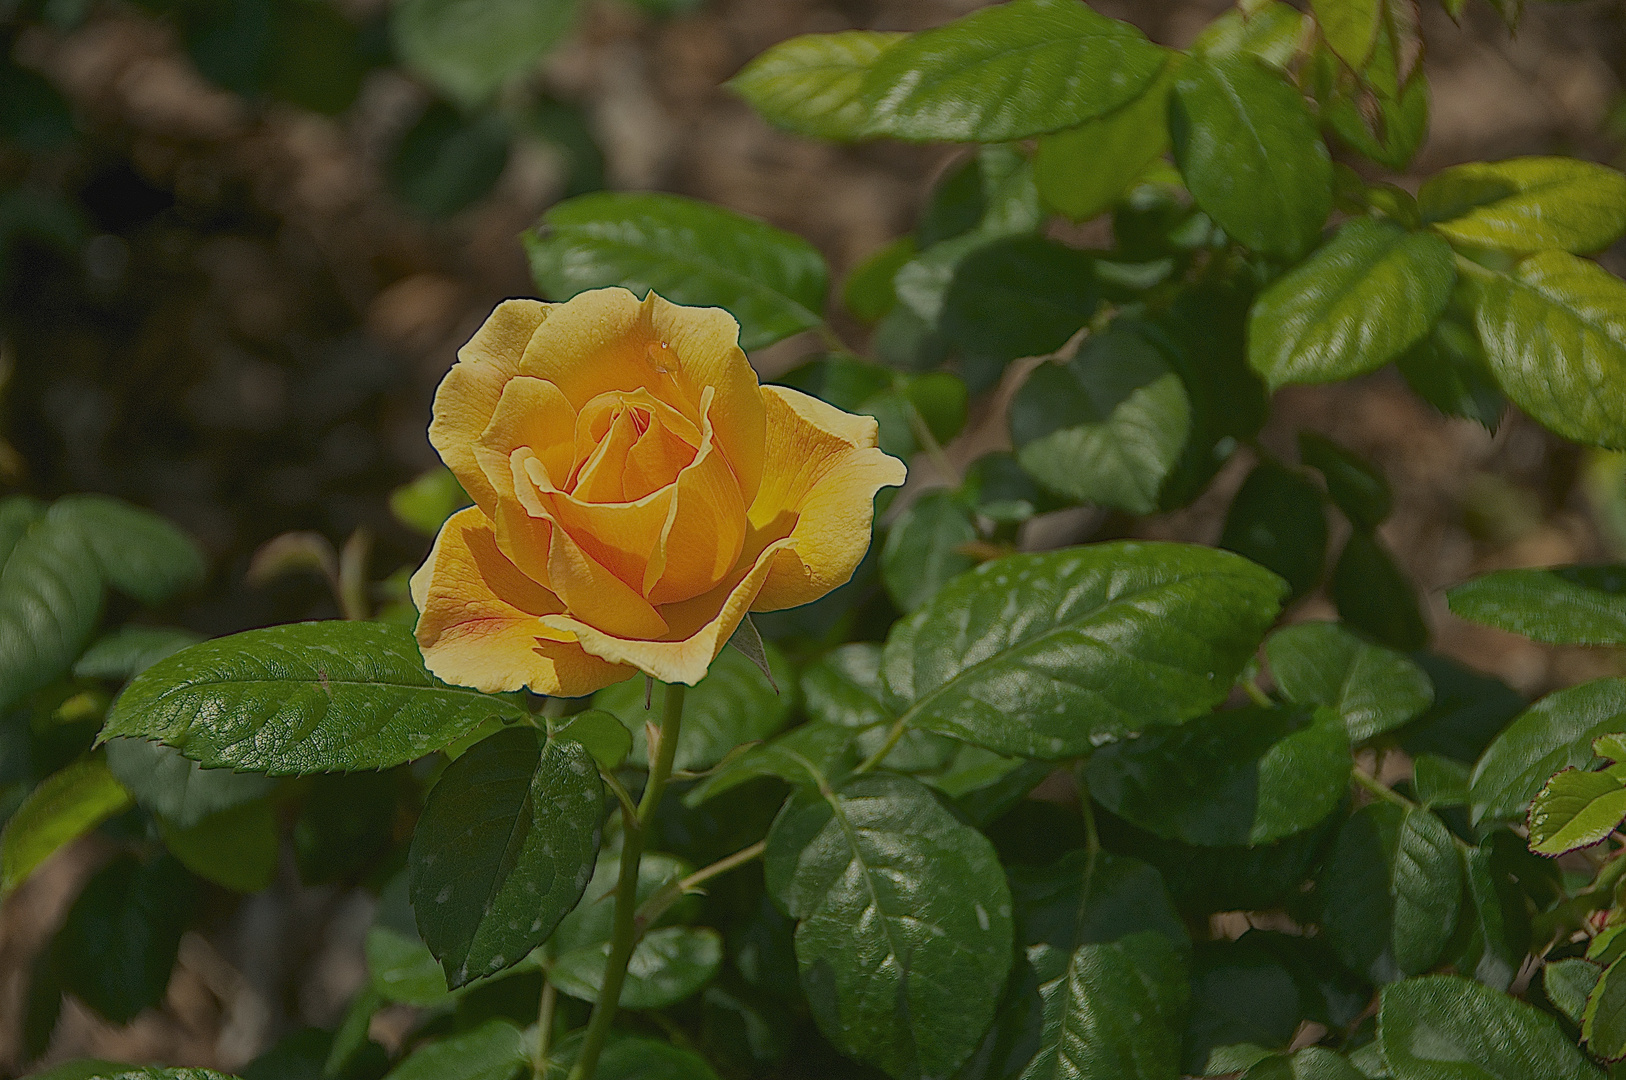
{"x":298,"y":331}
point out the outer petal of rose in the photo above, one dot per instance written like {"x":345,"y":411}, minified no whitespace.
{"x":607,"y":339}
{"x":702,"y":626}
{"x":481,"y":620}
{"x":819,"y":492}
{"x":468,"y":395}
{"x":530,"y":415}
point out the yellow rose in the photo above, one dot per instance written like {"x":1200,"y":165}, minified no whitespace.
{"x":636,"y":493}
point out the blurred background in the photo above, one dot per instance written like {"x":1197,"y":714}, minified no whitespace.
{"x":241,"y":241}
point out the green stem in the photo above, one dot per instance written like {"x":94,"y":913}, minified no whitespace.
{"x":893,"y":737}
{"x":624,"y":937}
{"x":1380,"y":789}
{"x":544,"y":1027}
{"x":657,"y":905}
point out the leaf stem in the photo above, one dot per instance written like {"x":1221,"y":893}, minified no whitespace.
{"x":624,"y":937}
{"x":656,"y":906}
{"x":893,"y":737}
{"x":1380,"y":789}
{"x":544,"y":1027}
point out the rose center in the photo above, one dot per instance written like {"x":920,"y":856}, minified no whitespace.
{"x":629,"y":444}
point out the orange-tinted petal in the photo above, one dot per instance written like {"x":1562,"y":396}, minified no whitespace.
{"x":655,"y":460}
{"x":468,"y":395}
{"x":818,"y":491}
{"x":607,"y":339}
{"x":530,"y":413}
{"x":602,"y":475}
{"x":598,"y":596}
{"x":705,"y":528}
{"x":700,"y":629}
{"x":481,"y":620}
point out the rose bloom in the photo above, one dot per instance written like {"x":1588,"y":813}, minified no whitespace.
{"x":636,"y":494}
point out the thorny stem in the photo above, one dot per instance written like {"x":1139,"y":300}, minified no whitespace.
{"x":625,"y":934}
{"x":656,"y":906}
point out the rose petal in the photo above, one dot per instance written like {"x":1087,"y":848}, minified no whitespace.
{"x":819,"y":492}
{"x":480,"y":623}
{"x":607,"y":339}
{"x":468,"y":395}
{"x":589,"y":588}
{"x":700,"y":628}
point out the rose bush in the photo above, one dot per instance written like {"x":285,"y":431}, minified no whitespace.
{"x":636,"y":494}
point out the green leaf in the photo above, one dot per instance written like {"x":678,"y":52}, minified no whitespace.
{"x":1082,"y":171}
{"x":1020,"y":296}
{"x":1562,"y":605}
{"x":628,"y":1057}
{"x":904,"y":921}
{"x":1277,"y":521}
{"x":448,"y":161}
{"x":1448,"y":370}
{"x":1493,"y":930}
{"x":468,"y":48}
{"x":1049,"y":655}
{"x":687,"y":251}
{"x":1350,"y":27}
{"x":504,"y":849}
{"x":1107,"y":427}
{"x":591,"y":924}
{"x":990,"y":194}
{"x":236,"y":848}
{"x":868,"y":291}
{"x":1392,"y":886}
{"x":107,"y":1070}
{"x":1310,"y":1063}
{"x":1554,"y":331}
{"x":1242,"y":996}
{"x":925,"y":548}
{"x":668,"y":966}
{"x":1527,"y":204}
{"x":130,"y":650}
{"x":1357,"y":488}
{"x":1446,"y":1027}
{"x":302,"y":698}
{"x":65,"y":806}
{"x":1272,"y":31}
{"x":1440,"y":781}
{"x":845,"y":687}
{"x":50,"y":597}
{"x":403,"y":969}
{"x":1008,"y":72}
{"x":1555,"y":733}
{"x":733,"y":704}
{"x":1364,"y":298}
{"x":1568,"y":983}
{"x":604,"y":736}
{"x":1575,"y":810}
{"x":117,"y":948}
{"x":140,"y":554}
{"x":496,"y":1050}
{"x":1469,"y":710}
{"x":1250,"y":153}
{"x":1374,"y":596}
{"x":1244,"y":776}
{"x":182,"y":792}
{"x":810,"y":84}
{"x":1374,"y":689}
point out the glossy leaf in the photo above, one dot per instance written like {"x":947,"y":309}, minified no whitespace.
{"x":630,"y":1057}
{"x":130,"y":650}
{"x":1374,"y":689}
{"x":1008,"y":72}
{"x":504,"y":849}
{"x":1555,"y":733}
{"x":1110,"y":639}
{"x":1567,"y":984}
{"x":1350,"y":27}
{"x":181,"y":792}
{"x":1019,"y":296}
{"x":307,"y":697}
{"x":1527,"y":204}
{"x":590,"y":924}
{"x":1554,"y":331}
{"x":496,"y":1050}
{"x":845,"y":687}
{"x":468,"y":48}
{"x":118,"y":945}
{"x":1493,"y":930}
{"x":1392,"y":886}
{"x":66,"y":805}
{"x":1447,"y":369}
{"x":733,"y":704}
{"x":1446,"y":1027}
{"x":1603,"y":1024}
{"x":1277,"y":521}
{"x":1374,"y":596}
{"x":1356,"y":487}
{"x":668,"y":966}
{"x":904,"y":921}
{"x":1082,"y":171}
{"x":810,"y":84}
{"x":1106,"y":427}
{"x":140,"y":553}
{"x":1563,"y":605}
{"x":1363,"y":299}
{"x":604,"y":736}
{"x":988,"y":195}
{"x":926,"y":547}
{"x":1576,"y":809}
{"x":1243,"y":776}
{"x":50,"y":597}
{"x":687,"y":251}
{"x":1270,"y":30}
{"x":1250,"y":153}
